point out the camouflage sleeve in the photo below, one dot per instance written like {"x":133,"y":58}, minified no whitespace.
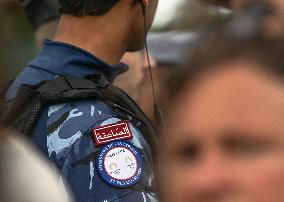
{"x":72,"y":149}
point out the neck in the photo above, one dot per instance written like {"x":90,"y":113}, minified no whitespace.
{"x":95,"y":34}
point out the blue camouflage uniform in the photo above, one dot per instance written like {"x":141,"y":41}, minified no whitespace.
{"x":63,"y":131}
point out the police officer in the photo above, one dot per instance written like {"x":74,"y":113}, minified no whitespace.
{"x":102,"y":156}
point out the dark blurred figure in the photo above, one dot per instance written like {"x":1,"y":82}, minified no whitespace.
{"x":223,"y":139}
{"x":43,"y":16}
{"x":273,"y":24}
{"x":16,"y":40}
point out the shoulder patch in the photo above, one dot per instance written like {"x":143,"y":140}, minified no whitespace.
{"x":119,"y":164}
{"x":108,"y":133}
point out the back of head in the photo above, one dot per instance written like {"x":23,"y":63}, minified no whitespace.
{"x":86,"y":7}
{"x":124,"y":18}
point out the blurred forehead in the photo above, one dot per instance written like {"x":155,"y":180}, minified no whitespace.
{"x":236,"y":97}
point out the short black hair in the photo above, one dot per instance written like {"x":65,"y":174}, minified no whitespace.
{"x":86,"y":7}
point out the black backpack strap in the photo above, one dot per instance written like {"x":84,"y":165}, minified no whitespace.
{"x":64,"y":89}
{"x":30,"y":100}
{"x":24,"y":110}
{"x":97,"y":86}
{"x":26,"y":107}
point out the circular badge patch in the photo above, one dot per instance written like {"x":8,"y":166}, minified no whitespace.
{"x":120,"y":164}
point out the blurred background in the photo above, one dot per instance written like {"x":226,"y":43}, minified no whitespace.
{"x":17,"y":45}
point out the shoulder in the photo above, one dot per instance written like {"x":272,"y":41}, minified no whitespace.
{"x":30,"y":76}
{"x":72,"y":148}
{"x":68,"y":122}
{"x":72,"y":123}
{"x":77,"y":114}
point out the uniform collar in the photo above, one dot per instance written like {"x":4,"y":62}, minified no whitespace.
{"x":68,"y":60}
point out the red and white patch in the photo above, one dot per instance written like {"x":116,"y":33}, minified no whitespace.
{"x":111,"y":132}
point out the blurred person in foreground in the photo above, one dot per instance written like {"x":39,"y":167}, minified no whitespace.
{"x":24,"y":174}
{"x":83,"y":136}
{"x":223,"y":140}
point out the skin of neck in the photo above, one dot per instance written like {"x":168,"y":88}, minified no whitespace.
{"x":104,"y":36}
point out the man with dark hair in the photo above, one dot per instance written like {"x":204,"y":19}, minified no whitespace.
{"x":99,"y":147}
